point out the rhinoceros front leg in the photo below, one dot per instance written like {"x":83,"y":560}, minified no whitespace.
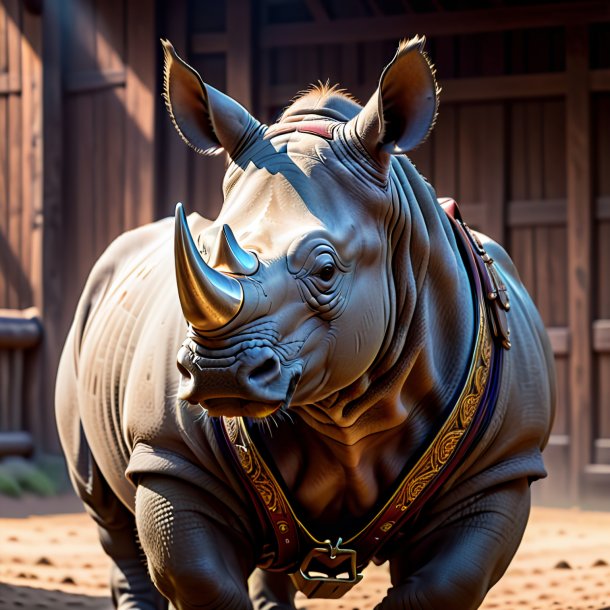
{"x":271,"y":591}
{"x":195,"y":561}
{"x":464,"y":556}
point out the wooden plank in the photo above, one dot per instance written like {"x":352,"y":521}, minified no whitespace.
{"x":493,"y":88}
{"x":79,"y":29}
{"x":601,"y":336}
{"x":602,"y":428}
{"x":13,"y":39}
{"x":16,"y":442}
{"x":560,"y":339}
{"x":17,"y":280}
{"x":209,"y":43}
{"x":8,"y":84}
{"x":444,"y":176}
{"x":4,"y":250}
{"x":522,"y":252}
{"x":553,"y":149}
{"x":602,"y":208}
{"x":558,"y":273}
{"x":434,"y":24}
{"x":493,"y":175}
{"x":173,"y":183}
{"x":82,"y":203}
{"x":88,"y":82}
{"x":5,"y":385}
{"x":534,"y":150}
{"x":545,"y":291}
{"x":536,"y":212}
{"x":600,"y":80}
{"x":3,"y":41}
{"x":100,"y":161}
{"x":318,"y":11}
{"x":239,"y":51}
{"x":469,"y":144}
{"x":54,"y":302}
{"x":580,"y":213}
{"x":517,"y":131}
{"x":16,"y":404}
{"x":110,"y":35}
{"x":31,"y":159}
{"x":140,"y":101}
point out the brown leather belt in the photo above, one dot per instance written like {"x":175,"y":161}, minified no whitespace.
{"x":325,"y":568}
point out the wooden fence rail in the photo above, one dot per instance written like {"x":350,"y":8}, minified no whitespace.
{"x":20,"y":334}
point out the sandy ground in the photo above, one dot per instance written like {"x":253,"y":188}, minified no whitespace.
{"x":54,"y":561}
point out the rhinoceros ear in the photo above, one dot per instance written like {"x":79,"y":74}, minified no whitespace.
{"x":401,"y":113}
{"x":206,"y":119}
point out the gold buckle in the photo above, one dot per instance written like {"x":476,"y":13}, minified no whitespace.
{"x":327,"y":572}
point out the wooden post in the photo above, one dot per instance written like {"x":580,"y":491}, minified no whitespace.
{"x":580,"y":233}
{"x":174,"y":154}
{"x":52,"y":298}
{"x":140,"y":100}
{"x":239,"y":52}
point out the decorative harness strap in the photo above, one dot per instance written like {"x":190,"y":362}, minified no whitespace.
{"x":321,"y":568}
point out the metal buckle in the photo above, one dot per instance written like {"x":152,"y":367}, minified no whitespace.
{"x":327,"y":572}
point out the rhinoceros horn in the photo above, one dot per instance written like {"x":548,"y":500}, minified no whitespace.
{"x":210,"y":299}
{"x":228,"y":255}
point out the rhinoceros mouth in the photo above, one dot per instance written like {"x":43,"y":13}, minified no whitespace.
{"x":241,"y":407}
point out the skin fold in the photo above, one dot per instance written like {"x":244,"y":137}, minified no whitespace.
{"x":337,"y":313}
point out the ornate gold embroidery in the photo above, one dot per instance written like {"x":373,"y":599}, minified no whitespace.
{"x":421,"y":475}
{"x":253,"y":466}
{"x":446,"y":441}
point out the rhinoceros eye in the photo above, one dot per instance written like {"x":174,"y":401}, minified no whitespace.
{"x":327,"y":272}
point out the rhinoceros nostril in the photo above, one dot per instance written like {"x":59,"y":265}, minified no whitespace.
{"x":266,"y":371}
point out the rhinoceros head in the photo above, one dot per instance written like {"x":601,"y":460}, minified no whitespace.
{"x":289,"y":293}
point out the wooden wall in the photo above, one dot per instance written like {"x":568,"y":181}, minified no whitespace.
{"x":522,"y":142}
{"x":100,"y":95}
{"x":20,"y":207}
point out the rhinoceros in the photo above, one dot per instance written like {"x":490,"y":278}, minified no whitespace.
{"x":320,"y":378}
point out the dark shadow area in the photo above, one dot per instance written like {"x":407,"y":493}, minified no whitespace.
{"x":22,"y":596}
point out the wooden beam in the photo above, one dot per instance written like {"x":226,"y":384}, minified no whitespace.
{"x":531,"y":213}
{"x":9,"y":84}
{"x":239,"y":51}
{"x":140,"y":100}
{"x":173,"y":183}
{"x":602,"y":208}
{"x":514,"y":86}
{"x":209,"y":43}
{"x":434,"y":24}
{"x":580,"y":255}
{"x":560,"y":340}
{"x":97,"y":80}
{"x":601,"y":336}
{"x":19,"y":328}
{"x":600,"y":80}
{"x":480,"y":89}
{"x":16,"y":443}
{"x":318,"y":11}
{"x":52,"y":307}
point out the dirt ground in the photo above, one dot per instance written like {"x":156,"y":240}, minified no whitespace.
{"x":54,"y":561}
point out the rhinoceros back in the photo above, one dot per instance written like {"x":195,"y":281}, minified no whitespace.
{"x":118,"y":377}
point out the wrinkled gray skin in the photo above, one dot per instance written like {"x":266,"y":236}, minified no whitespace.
{"x":362,"y":296}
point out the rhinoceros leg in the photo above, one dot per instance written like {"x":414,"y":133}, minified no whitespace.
{"x":195,"y":560}
{"x":130,"y":583}
{"x":464,"y":555}
{"x":271,"y":591}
